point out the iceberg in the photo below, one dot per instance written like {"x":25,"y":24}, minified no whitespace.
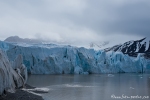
{"x":63,"y":59}
{"x":10,"y":78}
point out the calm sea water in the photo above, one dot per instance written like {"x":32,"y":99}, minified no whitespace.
{"x":94,"y":87}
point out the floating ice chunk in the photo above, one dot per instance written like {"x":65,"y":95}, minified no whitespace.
{"x":131,"y":88}
{"x":69,"y":85}
{"x":41,"y":89}
{"x":31,"y":92}
{"x":38,"y":90}
{"x":77,"y":86}
{"x":110,"y":75}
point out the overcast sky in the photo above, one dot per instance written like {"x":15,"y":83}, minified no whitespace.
{"x":76,"y":22}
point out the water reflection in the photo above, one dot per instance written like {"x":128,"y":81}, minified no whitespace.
{"x":92,"y":87}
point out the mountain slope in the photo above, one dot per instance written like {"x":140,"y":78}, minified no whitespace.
{"x":133,"y":48}
{"x":16,"y":39}
{"x":100,"y":45}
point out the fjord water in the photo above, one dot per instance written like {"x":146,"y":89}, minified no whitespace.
{"x":93,"y":87}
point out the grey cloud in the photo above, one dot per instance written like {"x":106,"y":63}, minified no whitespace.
{"x":109,"y":18}
{"x":75,"y":20}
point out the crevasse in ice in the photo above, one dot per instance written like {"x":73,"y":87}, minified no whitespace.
{"x":61,"y":59}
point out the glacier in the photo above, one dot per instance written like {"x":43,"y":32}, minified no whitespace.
{"x":65,"y":59}
{"x":10,"y":78}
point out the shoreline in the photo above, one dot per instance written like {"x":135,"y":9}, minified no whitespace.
{"x":21,"y":95}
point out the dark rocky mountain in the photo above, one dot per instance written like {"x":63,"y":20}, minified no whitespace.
{"x":133,"y":48}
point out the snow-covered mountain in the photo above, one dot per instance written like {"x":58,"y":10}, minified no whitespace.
{"x":133,"y":48}
{"x":63,"y":59}
{"x":27,"y":41}
{"x":17,"y":39}
{"x":99,"y":45}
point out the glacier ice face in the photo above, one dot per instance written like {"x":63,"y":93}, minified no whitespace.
{"x":115,"y":62}
{"x":9,"y":78}
{"x":20,"y":68}
{"x":53,"y":59}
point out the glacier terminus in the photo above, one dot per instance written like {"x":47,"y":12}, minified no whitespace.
{"x":66,"y":59}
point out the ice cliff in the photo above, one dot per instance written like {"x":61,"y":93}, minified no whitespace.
{"x":11,"y":78}
{"x":61,"y":59}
